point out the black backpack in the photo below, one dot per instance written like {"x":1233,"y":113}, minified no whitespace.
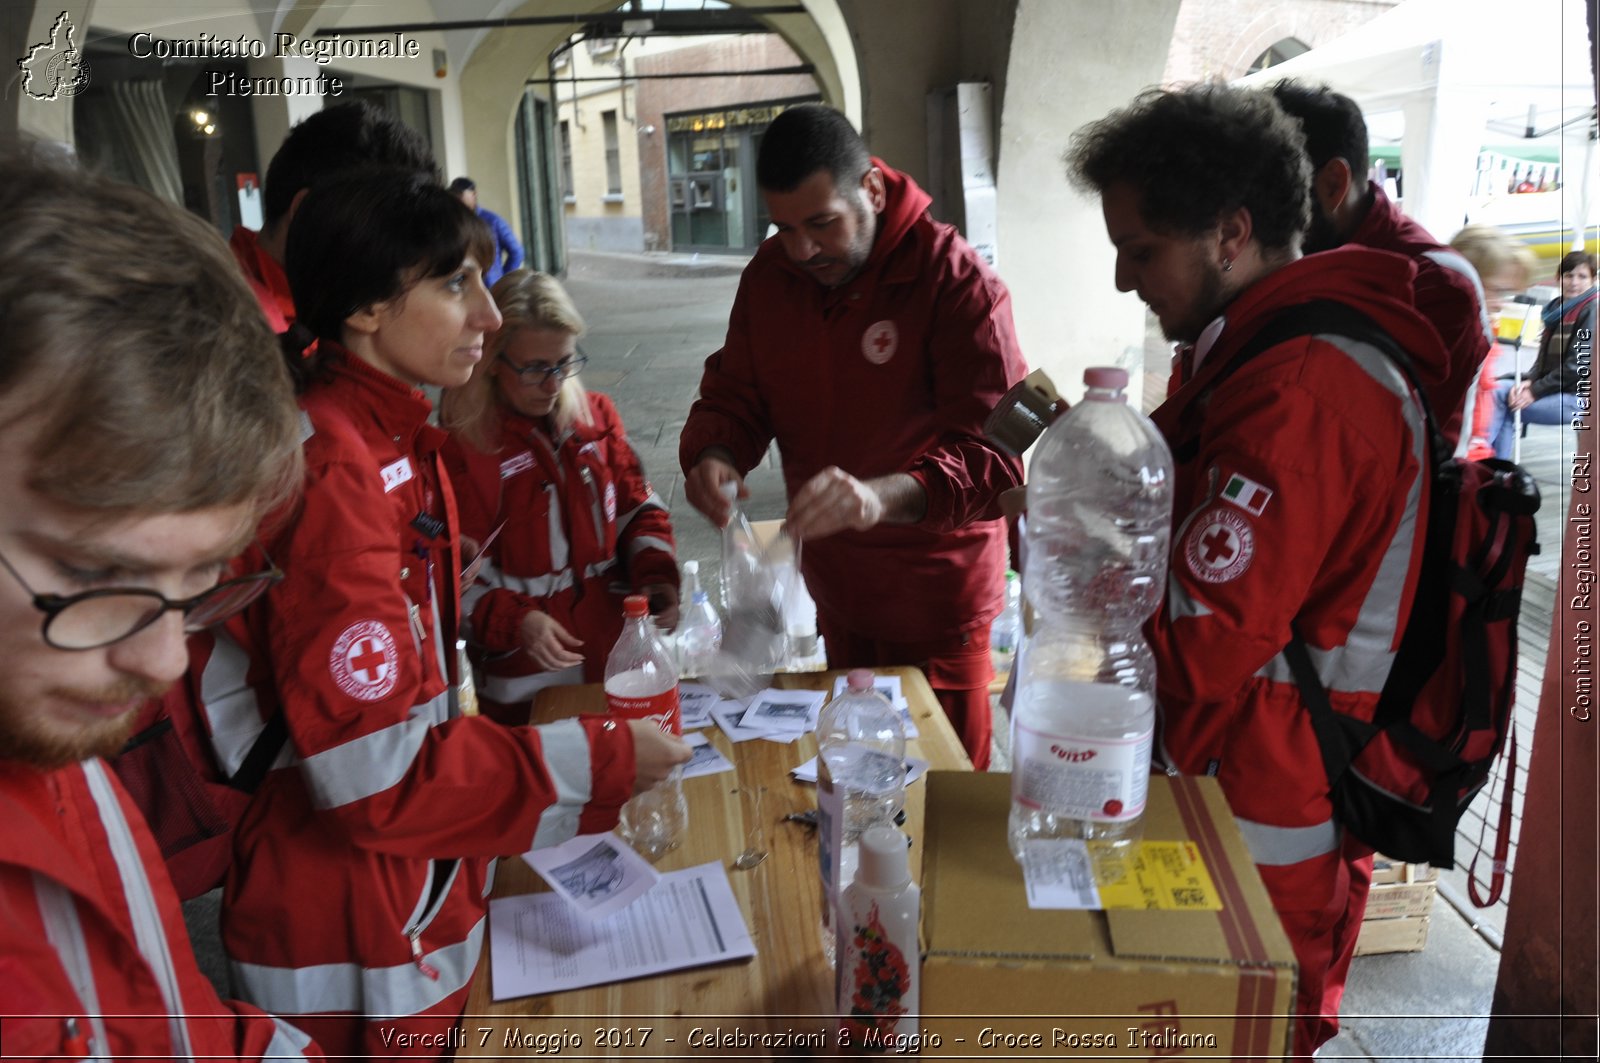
{"x":1400,"y":781}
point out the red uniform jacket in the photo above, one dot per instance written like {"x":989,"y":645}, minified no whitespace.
{"x":265,"y":277}
{"x":357,"y":887}
{"x":94,"y":956}
{"x":892,"y":372}
{"x":582,"y":528}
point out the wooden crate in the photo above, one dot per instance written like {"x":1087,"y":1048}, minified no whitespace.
{"x":1406,"y":934}
{"x":1398,"y":907}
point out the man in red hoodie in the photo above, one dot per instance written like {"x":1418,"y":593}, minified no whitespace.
{"x":870,"y":341}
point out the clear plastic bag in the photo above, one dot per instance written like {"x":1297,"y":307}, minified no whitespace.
{"x":755,"y":583}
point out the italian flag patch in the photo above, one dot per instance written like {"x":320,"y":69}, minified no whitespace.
{"x":1247,"y":494}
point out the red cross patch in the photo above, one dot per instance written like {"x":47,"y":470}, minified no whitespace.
{"x":880,"y":341}
{"x":364,"y":661}
{"x":1219,"y":546}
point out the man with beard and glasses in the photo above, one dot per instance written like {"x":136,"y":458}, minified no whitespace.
{"x":1346,"y":208}
{"x":870,"y":341}
{"x":1299,"y":483}
{"x":146,"y":424}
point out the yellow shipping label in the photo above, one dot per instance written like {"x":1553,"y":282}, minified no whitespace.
{"x":1164,"y":876}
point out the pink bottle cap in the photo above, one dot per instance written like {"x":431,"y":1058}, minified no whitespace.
{"x":1107,"y":377}
{"x":859,"y":679}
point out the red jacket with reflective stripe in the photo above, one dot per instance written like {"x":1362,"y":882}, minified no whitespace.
{"x":61,"y":879}
{"x":351,"y":850}
{"x":1298,"y":495}
{"x":892,"y":372}
{"x":580,"y":528}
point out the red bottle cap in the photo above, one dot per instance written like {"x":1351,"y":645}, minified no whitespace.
{"x":859,"y":679}
{"x":635,"y":606}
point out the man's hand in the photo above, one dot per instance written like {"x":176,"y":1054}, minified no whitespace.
{"x":833,"y":501}
{"x":1520,"y":396}
{"x":663,"y":604}
{"x":549,"y":644}
{"x":703,"y":487}
{"x":655,"y":754}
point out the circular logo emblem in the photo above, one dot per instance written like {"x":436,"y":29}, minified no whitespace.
{"x":880,"y":341}
{"x":1219,"y":546}
{"x":611,"y":503}
{"x":364,"y":661}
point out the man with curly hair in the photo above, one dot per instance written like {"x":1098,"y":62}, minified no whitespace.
{"x":1298,"y":490}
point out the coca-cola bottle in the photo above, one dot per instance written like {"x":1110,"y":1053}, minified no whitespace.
{"x":642,"y":684}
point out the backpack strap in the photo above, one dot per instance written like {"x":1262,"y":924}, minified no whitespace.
{"x":263,"y":751}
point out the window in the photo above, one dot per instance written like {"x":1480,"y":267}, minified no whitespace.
{"x":566,"y":158}
{"x":608,"y":120}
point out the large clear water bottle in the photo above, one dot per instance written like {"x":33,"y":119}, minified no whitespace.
{"x":1098,"y":531}
{"x":642,"y":684}
{"x":699,"y":633}
{"x":861,"y":748}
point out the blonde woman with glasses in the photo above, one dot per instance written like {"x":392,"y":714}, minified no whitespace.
{"x":547,"y":481}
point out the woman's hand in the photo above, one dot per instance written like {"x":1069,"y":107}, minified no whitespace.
{"x":655,"y":754}
{"x":1520,"y":396}
{"x":549,"y":644}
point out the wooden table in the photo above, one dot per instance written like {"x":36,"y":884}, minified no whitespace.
{"x":787,"y":988}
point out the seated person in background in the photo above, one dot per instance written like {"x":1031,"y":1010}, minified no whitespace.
{"x":1506,"y":266}
{"x":1548,"y":393}
{"x":356,"y":898}
{"x":544,"y":467}
{"x":141,"y":439}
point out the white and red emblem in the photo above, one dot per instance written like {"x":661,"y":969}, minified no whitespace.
{"x":880,"y":341}
{"x":364,"y":661}
{"x":611,"y":503}
{"x":1219,"y":546}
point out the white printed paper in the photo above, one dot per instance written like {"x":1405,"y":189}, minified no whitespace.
{"x":916,"y":768}
{"x":707,"y":759}
{"x":689,"y":919}
{"x":695,"y":703}
{"x":1059,"y":874}
{"x":783,"y":712}
{"x":595,"y":873}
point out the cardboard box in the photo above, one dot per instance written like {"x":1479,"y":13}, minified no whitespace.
{"x":1001,"y":978}
{"x":1406,"y":934}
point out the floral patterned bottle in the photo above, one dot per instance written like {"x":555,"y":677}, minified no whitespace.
{"x":879,"y":971}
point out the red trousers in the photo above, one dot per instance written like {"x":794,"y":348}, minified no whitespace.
{"x":958,"y":669}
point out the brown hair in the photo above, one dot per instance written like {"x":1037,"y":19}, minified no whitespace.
{"x":131,"y":342}
{"x":527,"y":299}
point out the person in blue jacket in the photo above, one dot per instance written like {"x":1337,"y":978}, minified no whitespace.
{"x":507,"y":248}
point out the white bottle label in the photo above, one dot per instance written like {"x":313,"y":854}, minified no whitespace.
{"x":1081,"y":778}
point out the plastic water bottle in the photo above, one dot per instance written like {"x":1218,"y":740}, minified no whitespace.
{"x":1099,"y":525}
{"x":700,"y":628}
{"x":1006,"y":630}
{"x":642,"y":684}
{"x":861,"y":754}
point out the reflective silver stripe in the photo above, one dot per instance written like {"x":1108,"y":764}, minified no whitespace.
{"x":559,"y":549}
{"x":371,"y":764}
{"x":1180,"y":603}
{"x":148,"y":930}
{"x":600,"y":568}
{"x":232,"y":710}
{"x":1455,"y":261}
{"x":649,"y":542}
{"x":652,"y":501}
{"x":533,"y":586}
{"x":376,"y":992}
{"x":288,"y":1041}
{"x":1361,"y":664}
{"x":307,"y":429}
{"x":512,"y":688}
{"x":452,"y":707}
{"x":488,"y":877}
{"x":1280,"y":846}
{"x":566,"y":757}
{"x":59,"y":914}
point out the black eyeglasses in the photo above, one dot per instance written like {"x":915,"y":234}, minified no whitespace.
{"x":565,"y":369}
{"x":98,"y":618}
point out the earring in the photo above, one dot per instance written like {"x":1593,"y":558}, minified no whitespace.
{"x":1227,"y":265}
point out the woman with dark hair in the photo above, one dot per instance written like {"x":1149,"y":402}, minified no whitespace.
{"x":547,"y":464}
{"x":1548,"y":393}
{"x":355,"y":904}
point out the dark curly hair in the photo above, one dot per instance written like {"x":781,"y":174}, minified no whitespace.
{"x":1199,"y":152}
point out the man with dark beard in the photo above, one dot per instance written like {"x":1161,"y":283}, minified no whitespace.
{"x":1298,"y":483}
{"x":1346,"y":208}
{"x":146,"y":423}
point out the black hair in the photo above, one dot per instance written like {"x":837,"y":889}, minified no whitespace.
{"x":1332,"y":123}
{"x":808,"y":138}
{"x":1572,"y":260}
{"x":336,"y":139}
{"x":365,"y":236}
{"x":462,"y":184}
{"x":1196,"y":153}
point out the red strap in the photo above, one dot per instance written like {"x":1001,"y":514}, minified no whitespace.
{"x":1502,"y":842}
